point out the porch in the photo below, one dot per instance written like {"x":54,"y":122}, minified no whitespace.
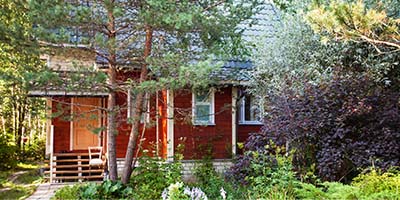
{"x":74,"y":166}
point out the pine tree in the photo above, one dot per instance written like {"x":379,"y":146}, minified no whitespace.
{"x":160,"y":39}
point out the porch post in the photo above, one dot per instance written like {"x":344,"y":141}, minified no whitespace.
{"x":234,"y":120}
{"x":51,"y":152}
{"x":170,"y":125}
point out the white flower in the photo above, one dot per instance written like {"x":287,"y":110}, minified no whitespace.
{"x":223,"y":193}
{"x":175,"y":186}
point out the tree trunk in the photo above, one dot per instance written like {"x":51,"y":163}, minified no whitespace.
{"x":112,"y":131}
{"x":129,"y":160}
{"x":111,"y":122}
{"x":3,"y":122}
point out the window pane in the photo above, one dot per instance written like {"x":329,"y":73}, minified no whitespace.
{"x":202,"y":113}
{"x":202,"y":97}
{"x":247,"y":108}
{"x":251,"y":109}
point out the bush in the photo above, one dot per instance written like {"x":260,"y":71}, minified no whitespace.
{"x":271,"y":175}
{"x":372,"y":185}
{"x":213,"y":184}
{"x":35,"y":151}
{"x":266,"y":173}
{"x":8,"y":153}
{"x":376,"y":185}
{"x":327,"y":190}
{"x":68,"y":192}
{"x":153,"y":175}
{"x":106,"y":190}
{"x":338,"y":127}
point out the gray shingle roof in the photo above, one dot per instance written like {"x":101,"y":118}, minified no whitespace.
{"x":266,"y":20}
{"x":254,"y":32}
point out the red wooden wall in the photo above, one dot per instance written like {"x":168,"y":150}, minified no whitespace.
{"x":62,"y":126}
{"x":198,"y":140}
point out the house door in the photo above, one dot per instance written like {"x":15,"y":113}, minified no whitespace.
{"x":87,"y":118}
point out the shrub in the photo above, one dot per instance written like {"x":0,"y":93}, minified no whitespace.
{"x":309,"y":191}
{"x":153,"y":175}
{"x":106,"y":190}
{"x":68,"y":192}
{"x":327,"y":190}
{"x":266,"y":173}
{"x":338,"y":127}
{"x":377,"y":185}
{"x":35,"y":151}
{"x":271,"y":175}
{"x":214,"y":184}
{"x":8,"y":153}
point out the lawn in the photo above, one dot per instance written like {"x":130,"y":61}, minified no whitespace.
{"x":19,"y":183}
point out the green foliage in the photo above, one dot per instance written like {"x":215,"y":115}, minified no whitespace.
{"x":18,"y":57}
{"x":377,"y":185}
{"x":35,"y":151}
{"x":327,"y":190}
{"x":7,"y":151}
{"x":354,"y":21}
{"x":302,"y":55}
{"x":68,"y":192}
{"x":153,"y":175}
{"x":309,"y":191}
{"x":292,"y":56}
{"x":266,"y":172}
{"x":271,"y":176}
{"x":371,"y":185}
{"x":106,"y":190}
{"x":212,"y":183}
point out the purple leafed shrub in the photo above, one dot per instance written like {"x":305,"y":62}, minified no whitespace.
{"x":339,"y":127}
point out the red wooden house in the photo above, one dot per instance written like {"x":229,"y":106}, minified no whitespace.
{"x":212,"y":122}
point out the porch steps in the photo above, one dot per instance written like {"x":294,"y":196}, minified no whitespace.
{"x":68,"y":167}
{"x":75,"y":171}
{"x":97,"y":177}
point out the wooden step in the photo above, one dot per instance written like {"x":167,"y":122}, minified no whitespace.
{"x":72,"y":160}
{"x":75,"y":177}
{"x":72,"y":166}
{"x":71,"y":154}
{"x":75,"y":171}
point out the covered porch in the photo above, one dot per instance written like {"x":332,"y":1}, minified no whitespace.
{"x":76,"y":138}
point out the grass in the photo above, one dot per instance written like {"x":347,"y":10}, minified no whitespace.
{"x":19,"y":183}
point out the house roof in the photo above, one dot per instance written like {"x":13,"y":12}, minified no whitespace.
{"x":233,"y":71}
{"x":264,"y":27}
{"x":260,"y":26}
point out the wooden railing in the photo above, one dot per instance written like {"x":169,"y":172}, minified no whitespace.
{"x":62,"y":167}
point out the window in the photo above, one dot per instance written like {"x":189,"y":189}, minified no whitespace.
{"x":145,"y":107}
{"x":203,"y":108}
{"x":250,"y":110}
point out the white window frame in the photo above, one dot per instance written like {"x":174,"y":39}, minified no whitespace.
{"x":145,"y":117}
{"x":211,"y":94}
{"x":242,"y":113}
